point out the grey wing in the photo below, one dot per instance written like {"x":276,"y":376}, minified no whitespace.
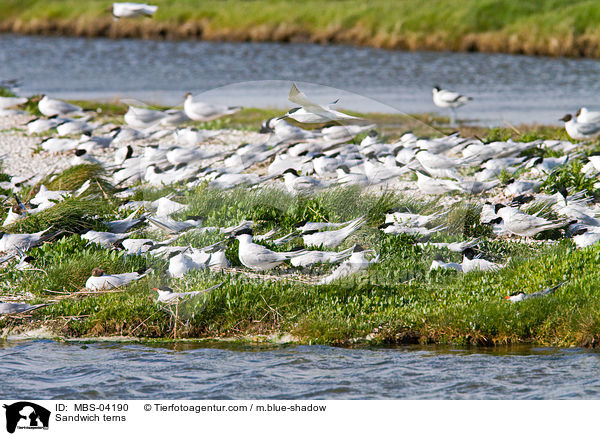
{"x":306,"y":183}
{"x":525,"y":221}
{"x":264,"y":255}
{"x":62,"y":106}
{"x":589,"y":128}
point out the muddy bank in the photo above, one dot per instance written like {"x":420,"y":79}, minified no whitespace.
{"x":571,"y":45}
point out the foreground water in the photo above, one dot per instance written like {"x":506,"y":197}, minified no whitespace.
{"x":44,"y":369}
{"x":505,"y":87}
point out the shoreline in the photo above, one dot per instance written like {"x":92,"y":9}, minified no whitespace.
{"x":574,"y":46}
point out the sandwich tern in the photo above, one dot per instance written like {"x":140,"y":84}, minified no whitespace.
{"x":100,"y":281}
{"x":258,"y":257}
{"x":521,"y":296}
{"x":200,"y":111}
{"x":309,"y":112}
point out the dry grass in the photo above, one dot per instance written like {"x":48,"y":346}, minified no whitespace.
{"x":540,"y":27}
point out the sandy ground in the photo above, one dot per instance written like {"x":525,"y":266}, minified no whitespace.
{"x":20,"y":153}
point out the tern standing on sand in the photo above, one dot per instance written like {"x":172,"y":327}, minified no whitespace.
{"x":52,"y":107}
{"x":200,"y":111}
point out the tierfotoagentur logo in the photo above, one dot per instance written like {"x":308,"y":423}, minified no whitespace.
{"x":26,"y":415}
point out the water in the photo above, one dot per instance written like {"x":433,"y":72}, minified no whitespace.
{"x":505,"y":87}
{"x":56,"y":370}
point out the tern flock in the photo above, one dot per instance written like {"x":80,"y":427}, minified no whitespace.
{"x":153,"y":149}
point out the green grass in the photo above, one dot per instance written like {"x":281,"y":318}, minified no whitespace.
{"x":5,"y":92}
{"x":75,"y":176}
{"x":396,"y":300}
{"x":536,"y":26}
{"x":570,"y":177}
{"x":70,"y":215}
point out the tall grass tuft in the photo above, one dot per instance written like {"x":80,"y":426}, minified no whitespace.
{"x":72,"y":215}
{"x":73,"y":177}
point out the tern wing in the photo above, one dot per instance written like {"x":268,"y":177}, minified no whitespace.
{"x":449,"y":96}
{"x":298,"y":97}
{"x":588,"y":128}
{"x":264,"y":255}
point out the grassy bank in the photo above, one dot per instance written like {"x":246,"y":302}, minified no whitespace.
{"x":547,"y":27}
{"x":396,"y":301}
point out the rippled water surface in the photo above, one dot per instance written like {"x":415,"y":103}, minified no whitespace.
{"x":504,"y":87}
{"x":55,"y":370}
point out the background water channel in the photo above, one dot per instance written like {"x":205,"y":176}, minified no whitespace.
{"x":517,"y":89}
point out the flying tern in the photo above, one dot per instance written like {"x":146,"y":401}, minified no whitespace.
{"x":309,"y":112}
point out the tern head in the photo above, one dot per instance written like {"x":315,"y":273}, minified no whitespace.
{"x":267,"y":126}
{"x":497,"y":207}
{"x":129,"y":153}
{"x":97,"y":272}
{"x":371,"y":155}
{"x":358,"y":248}
{"x":177,"y":253}
{"x":287,"y":115}
{"x":469,"y":253}
{"x":291,"y":171}
{"x":385,"y":226}
{"x":243,"y":232}
{"x":187,"y":95}
{"x":566,"y":118}
{"x":80,"y":152}
{"x":344,"y":169}
{"x":522,"y":199}
{"x":2,"y":234}
{"x":301,"y":223}
{"x":436,"y":88}
{"x":564,"y":192}
{"x":534,"y":161}
{"x":164,"y":289}
{"x":580,"y":110}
